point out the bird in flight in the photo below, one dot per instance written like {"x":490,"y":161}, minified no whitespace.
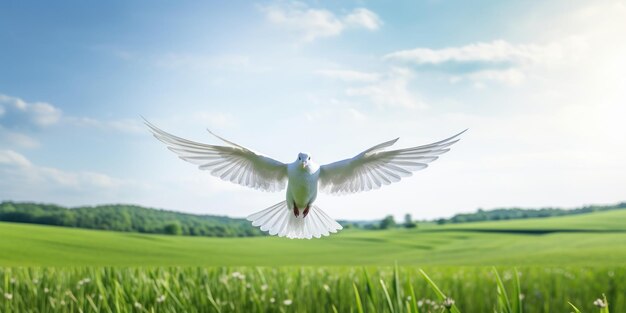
{"x":297,"y":216}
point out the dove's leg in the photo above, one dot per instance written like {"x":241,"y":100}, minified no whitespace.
{"x":295,"y":210}
{"x":306,"y":211}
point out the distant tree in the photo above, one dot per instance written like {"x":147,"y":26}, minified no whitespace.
{"x":408,"y":221}
{"x":388,"y":222}
{"x":173,"y":228}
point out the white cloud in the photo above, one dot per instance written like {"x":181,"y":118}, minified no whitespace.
{"x":497,"y":61}
{"x":497,"y":51}
{"x":9,"y":157}
{"x":17,"y":168}
{"x":17,"y":113}
{"x":12,"y":138}
{"x":363,"y":18}
{"x":392,"y":91}
{"x":349,"y":75}
{"x":18,"y":118}
{"x":511,"y":76}
{"x":309,"y":23}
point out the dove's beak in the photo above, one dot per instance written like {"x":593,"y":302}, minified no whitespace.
{"x":304,"y":164}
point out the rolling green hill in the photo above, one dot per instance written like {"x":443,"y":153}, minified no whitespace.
{"x":585,"y":239}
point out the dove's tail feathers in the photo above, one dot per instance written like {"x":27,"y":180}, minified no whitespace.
{"x":280,"y":220}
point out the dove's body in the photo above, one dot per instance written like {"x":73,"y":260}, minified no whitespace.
{"x":302,"y":184}
{"x":367,"y":170}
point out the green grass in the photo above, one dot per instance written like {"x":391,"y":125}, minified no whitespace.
{"x":304,"y":289}
{"x":583,"y":244}
{"x":561,"y":260}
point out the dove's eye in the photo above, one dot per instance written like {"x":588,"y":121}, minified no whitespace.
{"x":309,"y":158}
{"x":299,"y":159}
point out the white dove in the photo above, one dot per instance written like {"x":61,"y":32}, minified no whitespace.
{"x":297,"y":217}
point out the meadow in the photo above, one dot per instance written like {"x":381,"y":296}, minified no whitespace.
{"x":573,"y":259}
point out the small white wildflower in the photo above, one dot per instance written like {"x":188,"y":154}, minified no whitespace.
{"x":327,"y":288}
{"x":272,"y":300}
{"x":46,"y":290}
{"x":100,"y":297}
{"x":522,"y":296}
{"x":264,"y":287}
{"x":138,"y":305}
{"x":287,"y":302}
{"x":35,"y":281}
{"x":161,"y":298}
{"x":62,"y":302}
{"x":448,"y":303}
{"x":248,"y":286}
{"x":408,"y":298}
{"x":84,"y":281}
{"x":8,"y":296}
{"x":420,"y":303}
{"x":12,"y":280}
{"x":599,"y":303}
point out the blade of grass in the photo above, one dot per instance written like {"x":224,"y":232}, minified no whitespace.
{"x":396,"y":287}
{"x":212,"y":300}
{"x":503,"y":298}
{"x":369,"y":287}
{"x":413,"y":299}
{"x":389,"y":302}
{"x":359,"y":305}
{"x":438,"y":292}
{"x":517,"y":293}
{"x":576,"y":310}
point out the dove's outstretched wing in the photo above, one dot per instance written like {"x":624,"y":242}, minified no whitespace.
{"x":374,"y":167}
{"x":232,"y":163}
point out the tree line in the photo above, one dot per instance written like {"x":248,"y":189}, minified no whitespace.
{"x":480,"y":215}
{"x":132,"y":218}
{"x":127,"y":218}
{"x":521,"y":213}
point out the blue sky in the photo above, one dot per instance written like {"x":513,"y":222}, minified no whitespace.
{"x":539,"y":84}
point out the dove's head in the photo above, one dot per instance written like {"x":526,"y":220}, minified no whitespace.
{"x":303,"y":159}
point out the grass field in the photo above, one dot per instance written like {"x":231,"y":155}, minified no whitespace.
{"x":571,"y":240}
{"x":297,"y":289}
{"x":561,"y":259}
